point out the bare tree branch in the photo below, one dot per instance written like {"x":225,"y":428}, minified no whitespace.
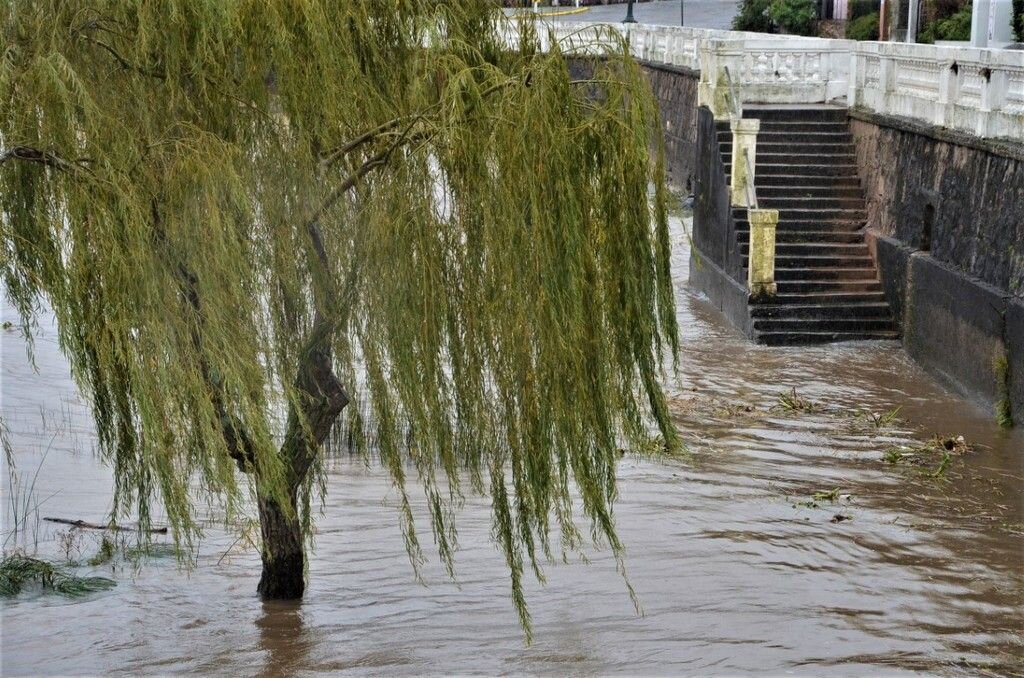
{"x":124,"y":63}
{"x":52,"y":160}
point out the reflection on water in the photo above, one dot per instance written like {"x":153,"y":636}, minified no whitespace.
{"x":738,"y":569}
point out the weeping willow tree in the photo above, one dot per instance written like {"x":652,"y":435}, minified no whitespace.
{"x":256,"y":220}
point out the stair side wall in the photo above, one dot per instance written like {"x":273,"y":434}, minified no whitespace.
{"x":716,"y":267}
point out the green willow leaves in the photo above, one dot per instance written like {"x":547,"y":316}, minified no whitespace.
{"x":203,"y":191}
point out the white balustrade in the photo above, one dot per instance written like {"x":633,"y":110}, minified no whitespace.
{"x":974,"y":90}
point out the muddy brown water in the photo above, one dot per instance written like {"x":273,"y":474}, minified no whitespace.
{"x":736,"y":568}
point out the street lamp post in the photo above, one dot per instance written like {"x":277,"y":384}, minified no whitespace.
{"x":629,"y":13}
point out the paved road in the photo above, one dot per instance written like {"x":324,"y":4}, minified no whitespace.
{"x":698,"y":13}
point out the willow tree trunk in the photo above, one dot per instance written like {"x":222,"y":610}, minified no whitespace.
{"x":310,"y":420}
{"x":284,"y":560}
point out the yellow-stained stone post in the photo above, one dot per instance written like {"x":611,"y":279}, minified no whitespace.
{"x":761,"y":267}
{"x":744,"y":137}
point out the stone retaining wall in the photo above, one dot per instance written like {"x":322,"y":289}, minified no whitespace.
{"x":675,"y":87}
{"x":946,"y":225}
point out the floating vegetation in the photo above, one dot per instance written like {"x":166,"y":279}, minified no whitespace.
{"x":943,"y":448}
{"x":705,"y":407}
{"x":108,"y":549}
{"x":150,"y":550}
{"x":866,"y":421}
{"x":733,"y":410}
{"x":789,"y":401}
{"x":18,"y":570}
{"x":653,"y":446}
{"x":831,"y":495}
{"x":824,"y":496}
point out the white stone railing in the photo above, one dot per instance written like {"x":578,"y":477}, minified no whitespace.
{"x":974,"y":90}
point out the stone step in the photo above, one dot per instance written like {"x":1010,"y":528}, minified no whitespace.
{"x":810,"y":214}
{"x":823,"y":311}
{"x":827,"y":297}
{"x":795,"y":126}
{"x":776,"y":128}
{"x":798,"y":225}
{"x":835,"y":286}
{"x":795,"y":114}
{"x":808,"y":181}
{"x":767,"y":147}
{"x":799,"y":157}
{"x":786,"y":338}
{"x":795,"y":137}
{"x":826,"y":203}
{"x":854,"y":324}
{"x":765,"y":169}
{"x":796,"y":191}
{"x":854,"y":274}
{"x":785,"y":236}
{"x":790,"y":249}
{"x":808,"y":262}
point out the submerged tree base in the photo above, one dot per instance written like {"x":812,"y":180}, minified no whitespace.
{"x":283,"y":578}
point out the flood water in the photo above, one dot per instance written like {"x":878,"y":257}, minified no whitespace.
{"x":738,"y":568}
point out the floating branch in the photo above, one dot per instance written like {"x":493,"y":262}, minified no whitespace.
{"x":96,"y":526}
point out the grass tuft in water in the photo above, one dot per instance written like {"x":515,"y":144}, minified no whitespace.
{"x":18,"y":570}
{"x":1004,"y":414}
{"x":789,"y":401}
{"x":923,"y":454}
{"x":106,"y":553}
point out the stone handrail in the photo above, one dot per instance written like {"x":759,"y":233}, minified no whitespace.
{"x":980,"y":91}
{"x":974,"y":90}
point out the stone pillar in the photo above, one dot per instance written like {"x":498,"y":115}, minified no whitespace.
{"x":980,"y":10}
{"x":853,"y":84}
{"x":949,"y":90}
{"x":761,"y":264}
{"x":744,"y":137}
{"x":912,"y":20}
{"x":713,"y":89}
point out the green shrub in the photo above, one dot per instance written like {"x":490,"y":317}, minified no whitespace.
{"x":799,"y":17}
{"x":1018,"y":20}
{"x":954,"y":27}
{"x":753,"y":16}
{"x":863,"y":28}
{"x":859,"y":8}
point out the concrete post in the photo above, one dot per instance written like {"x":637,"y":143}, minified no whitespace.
{"x":761,"y":265}
{"x":912,"y":20}
{"x":713,"y":88}
{"x":949,"y":90}
{"x":744,"y":138}
{"x":853,"y":85}
{"x":980,"y":10}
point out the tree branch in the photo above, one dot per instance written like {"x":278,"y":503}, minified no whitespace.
{"x":52,"y":160}
{"x":124,"y":63}
{"x":239,"y":444}
{"x":336,"y":154}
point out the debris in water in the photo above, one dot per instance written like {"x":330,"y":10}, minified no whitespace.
{"x":830,"y":495}
{"x":840,"y":517}
{"x":791,"y":402}
{"x":17,"y":570}
{"x":924,"y":454}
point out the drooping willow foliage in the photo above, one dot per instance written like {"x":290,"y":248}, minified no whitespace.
{"x":228,"y":203}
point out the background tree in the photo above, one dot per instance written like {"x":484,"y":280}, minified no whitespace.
{"x":250,"y":214}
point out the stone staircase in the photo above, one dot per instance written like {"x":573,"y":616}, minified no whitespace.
{"x":828,"y":288}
